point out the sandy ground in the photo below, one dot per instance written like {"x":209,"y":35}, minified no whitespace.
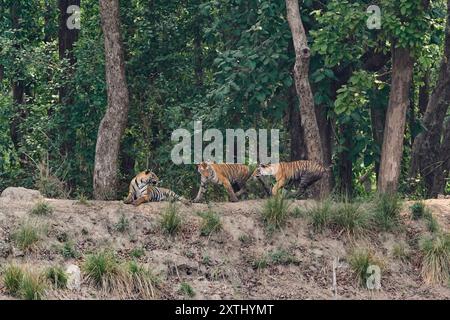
{"x":219,"y":266}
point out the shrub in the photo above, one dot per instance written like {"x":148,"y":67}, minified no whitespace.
{"x":387,"y":209}
{"x":171,"y":221}
{"x":275,"y":211}
{"x":211,"y":223}
{"x":57,"y":277}
{"x":436,"y":258}
{"x":42,"y":208}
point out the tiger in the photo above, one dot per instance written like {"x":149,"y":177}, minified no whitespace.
{"x":157,"y":194}
{"x":139,"y":184}
{"x":227,"y":174}
{"x":305,"y":172}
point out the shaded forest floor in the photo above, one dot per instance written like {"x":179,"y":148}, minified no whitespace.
{"x":222,"y":265}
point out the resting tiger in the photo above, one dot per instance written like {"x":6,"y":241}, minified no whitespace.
{"x":138,"y":185}
{"x":305,"y":172}
{"x":143,"y":189}
{"x":228,"y":175}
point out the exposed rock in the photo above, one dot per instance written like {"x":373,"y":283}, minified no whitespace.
{"x":21,"y":194}
{"x":74,"y":277}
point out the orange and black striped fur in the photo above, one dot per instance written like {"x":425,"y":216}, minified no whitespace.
{"x":304,"y":172}
{"x":227,"y":174}
{"x":143,"y":189}
{"x":139,"y":184}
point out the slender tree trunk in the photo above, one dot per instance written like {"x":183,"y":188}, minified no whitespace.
{"x":392,"y":150}
{"x":424,"y":94}
{"x":298,"y":149}
{"x":444,"y":163}
{"x":345,"y":162}
{"x":304,"y":92}
{"x":113,"y":123}
{"x":67,"y":38}
{"x":427,"y":146}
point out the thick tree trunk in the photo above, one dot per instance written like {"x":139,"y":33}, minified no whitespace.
{"x":303,"y":87}
{"x":392,"y":150}
{"x":113,"y":123}
{"x":427,"y":145}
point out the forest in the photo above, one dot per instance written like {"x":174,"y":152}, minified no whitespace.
{"x":89,"y":98}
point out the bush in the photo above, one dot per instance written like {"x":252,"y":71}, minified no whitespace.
{"x":171,"y":221}
{"x":386,"y":209}
{"x":275,"y":212}
{"x":211,"y":223}
{"x":42,"y":208}
{"x":436,"y":258}
{"x":32,"y":286}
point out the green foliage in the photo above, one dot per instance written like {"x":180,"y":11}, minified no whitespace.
{"x":12,"y":279}
{"x":101,"y":268}
{"x":171,"y":220}
{"x":137,"y":253}
{"x":122,"y":225}
{"x":351,"y":218}
{"x":68,"y":250}
{"x":32,"y":286}
{"x":417,"y":210}
{"x":360,"y":259}
{"x":211,"y":223}
{"x":320,"y":215}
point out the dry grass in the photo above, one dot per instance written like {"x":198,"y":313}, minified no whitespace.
{"x":436,"y":259}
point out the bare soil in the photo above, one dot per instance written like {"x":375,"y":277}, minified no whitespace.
{"x":219,"y":266}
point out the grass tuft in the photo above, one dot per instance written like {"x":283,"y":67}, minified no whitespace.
{"x":12,"y":279}
{"x":275,"y":212}
{"x":171,"y":220}
{"x":26,"y":236}
{"x":320,"y":215}
{"x":122,"y":225}
{"x":42,"y":208}
{"x":436,"y":258}
{"x":350,"y":218}
{"x":57,"y":277}
{"x":417,"y":210}
{"x":386,"y":211}
{"x":187,"y":290}
{"x":360,"y":260}
{"x":211,"y":223}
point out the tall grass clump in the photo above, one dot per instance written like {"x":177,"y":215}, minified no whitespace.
{"x":57,"y":277}
{"x":103,"y":270}
{"x":275,"y":211}
{"x":142,"y":281}
{"x":417,"y":210}
{"x":171,"y":220}
{"x":320,"y":215}
{"x":386,"y":211}
{"x":23,"y":284}
{"x":350,"y":218}
{"x":26,"y":236}
{"x":211,"y":223}
{"x":360,"y":259}
{"x":436,"y":258}
{"x":12,"y":279}
{"x":187,"y":290}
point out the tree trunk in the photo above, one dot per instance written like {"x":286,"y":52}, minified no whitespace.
{"x":427,"y":145}
{"x":424,"y":94}
{"x":392,"y":150}
{"x":113,"y":123}
{"x":67,"y":38}
{"x":444,"y":163}
{"x":298,"y":150}
{"x":345,"y":162}
{"x":304,"y":92}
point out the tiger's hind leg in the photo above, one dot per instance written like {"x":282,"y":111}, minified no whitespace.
{"x":141,"y":200}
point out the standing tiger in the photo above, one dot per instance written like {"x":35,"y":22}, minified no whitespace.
{"x":143,"y":189}
{"x":227,"y":174}
{"x":305,"y":172}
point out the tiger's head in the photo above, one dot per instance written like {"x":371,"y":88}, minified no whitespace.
{"x":205,"y":169}
{"x":147,"y":177}
{"x":264,"y":170}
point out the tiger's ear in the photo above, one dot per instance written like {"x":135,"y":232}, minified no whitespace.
{"x":147,"y":171}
